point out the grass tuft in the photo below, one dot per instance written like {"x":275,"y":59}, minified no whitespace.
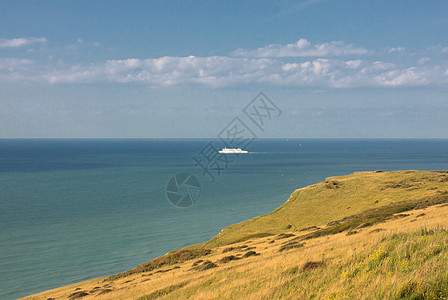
{"x":163,"y":292}
{"x":78,"y":294}
{"x":250,"y":253}
{"x":291,"y":245}
{"x":204,"y":266}
{"x":311,"y":265}
{"x":166,"y":260}
{"x":227,"y":259}
{"x":284,"y":235}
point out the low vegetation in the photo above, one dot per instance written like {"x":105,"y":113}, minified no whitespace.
{"x":335,"y":199}
{"x":166,"y":260}
{"x":163,"y":292}
{"x":374,"y":216}
{"x":370,"y":235}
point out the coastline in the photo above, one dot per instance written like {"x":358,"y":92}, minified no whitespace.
{"x":400,"y":184}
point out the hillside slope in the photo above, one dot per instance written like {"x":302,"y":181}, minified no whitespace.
{"x":365,"y":235}
{"x":336,"y":198}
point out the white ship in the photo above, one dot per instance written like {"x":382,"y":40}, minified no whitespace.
{"x":232,"y":151}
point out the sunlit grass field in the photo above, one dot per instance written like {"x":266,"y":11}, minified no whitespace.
{"x":369,"y":235}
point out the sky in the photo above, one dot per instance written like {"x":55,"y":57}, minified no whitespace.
{"x":186,"y":69}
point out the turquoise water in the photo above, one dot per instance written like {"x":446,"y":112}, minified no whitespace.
{"x":72,"y":210}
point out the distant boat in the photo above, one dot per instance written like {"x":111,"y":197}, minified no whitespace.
{"x":232,"y":151}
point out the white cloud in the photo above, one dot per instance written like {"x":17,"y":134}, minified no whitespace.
{"x":398,"y":49}
{"x":444,"y":50}
{"x":12,"y":64}
{"x":15,"y":69}
{"x":353,"y":64}
{"x":423,"y":60}
{"x":414,"y":76}
{"x":302,"y":48}
{"x":220,"y":71}
{"x":225,"y":71}
{"x":20,"y":42}
{"x":166,"y":71}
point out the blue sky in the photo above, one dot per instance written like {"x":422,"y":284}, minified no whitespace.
{"x":336,"y":68}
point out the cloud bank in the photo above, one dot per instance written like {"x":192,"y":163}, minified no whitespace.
{"x":302,"y":64}
{"x":20,"y":42}
{"x":302,"y":48}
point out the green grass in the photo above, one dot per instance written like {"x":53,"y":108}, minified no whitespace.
{"x":400,"y":266}
{"x":334,"y":199}
{"x":373,"y":216}
{"x":316,"y":246}
{"x":419,"y":258}
{"x":373,"y":197}
{"x":408,"y":265}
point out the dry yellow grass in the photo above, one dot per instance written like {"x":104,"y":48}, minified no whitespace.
{"x":390,"y":259}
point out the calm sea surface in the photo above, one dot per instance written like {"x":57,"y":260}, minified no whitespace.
{"x":72,"y":210}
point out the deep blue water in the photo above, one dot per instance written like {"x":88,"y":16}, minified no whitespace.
{"x":72,"y":210}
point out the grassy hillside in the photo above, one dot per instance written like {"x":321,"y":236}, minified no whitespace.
{"x":367,"y":235}
{"x":336,"y":198}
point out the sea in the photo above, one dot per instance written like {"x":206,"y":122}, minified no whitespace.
{"x":77,"y":209}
